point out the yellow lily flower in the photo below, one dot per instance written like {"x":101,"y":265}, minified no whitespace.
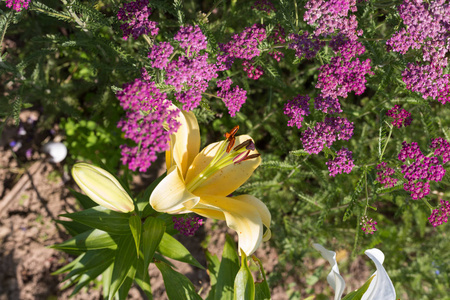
{"x":102,"y":187}
{"x":200,"y":182}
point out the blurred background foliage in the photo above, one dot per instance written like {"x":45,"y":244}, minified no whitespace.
{"x":67,"y":61}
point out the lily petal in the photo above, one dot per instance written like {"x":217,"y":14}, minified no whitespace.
{"x":171,"y":196}
{"x":240,"y":216}
{"x":262,"y":210}
{"x":102,"y":187}
{"x":185,"y":143}
{"x":226,"y":180}
{"x":334,"y":278}
{"x":381,"y":286}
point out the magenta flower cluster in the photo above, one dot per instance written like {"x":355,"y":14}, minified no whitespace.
{"x":134,"y":16}
{"x":326,"y":133}
{"x":426,"y":29}
{"x":368,"y":225}
{"x":159,"y":55}
{"x":332,"y":16}
{"x":187,"y":226}
{"x":263,"y":5}
{"x":295,"y":109}
{"x":401,"y":116}
{"x":149,"y":122}
{"x":305,"y":45}
{"x":17,"y":5}
{"x":440,"y":216}
{"x":232,"y":97}
{"x":342,"y":163}
{"x":328,"y":105}
{"x":441,"y":148}
{"x":420,"y":171}
{"x":384,"y":175}
{"x":191,"y":39}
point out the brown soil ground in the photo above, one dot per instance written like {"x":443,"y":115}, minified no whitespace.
{"x":32,"y":195}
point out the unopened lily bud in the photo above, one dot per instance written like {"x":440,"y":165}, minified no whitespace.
{"x":102,"y":187}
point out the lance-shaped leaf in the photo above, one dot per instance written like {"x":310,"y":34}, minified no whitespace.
{"x":88,"y":240}
{"x":229,"y":267}
{"x":102,"y":187}
{"x":172,"y":248}
{"x":262,"y":290}
{"x":213,"y":272}
{"x":102,"y":218}
{"x":128,"y":282}
{"x":136,"y":229}
{"x":244,"y":286}
{"x":357,"y":295}
{"x":91,"y":260}
{"x":152,"y":234}
{"x":178,"y":286}
{"x":74,"y":228}
{"x":124,"y":261}
{"x":84,"y":200}
{"x":142,"y":278}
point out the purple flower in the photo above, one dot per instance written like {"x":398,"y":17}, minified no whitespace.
{"x":295,"y":109}
{"x":149,"y":121}
{"x":187,"y":226}
{"x":263,"y":5}
{"x":327,"y":105}
{"x":233,"y":98}
{"x":304,"y":45}
{"x":342,"y":163}
{"x":442,"y":148}
{"x":253,"y":72}
{"x":191,"y":39}
{"x":134,"y":16}
{"x":440,"y":216}
{"x":384,"y":176}
{"x":368,"y":225}
{"x":17,"y":5}
{"x":401,"y":117}
{"x":159,"y":54}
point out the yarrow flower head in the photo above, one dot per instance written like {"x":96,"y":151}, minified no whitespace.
{"x":368,"y":225}
{"x":440,"y":216}
{"x":149,"y":121}
{"x":401,"y":116}
{"x":304,"y":45}
{"x":441,"y":148}
{"x":253,"y":72}
{"x":295,"y":109}
{"x":159,"y":54}
{"x":328,"y":105}
{"x":342,"y":163}
{"x":263,"y":5}
{"x":191,"y":39}
{"x":187,"y":226}
{"x":17,"y":5}
{"x":135,"y":17}
{"x":384,"y":175}
{"x":232,"y":97}
{"x":326,"y":133}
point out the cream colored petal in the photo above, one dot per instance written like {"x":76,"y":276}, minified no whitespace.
{"x":102,"y":187}
{"x":171,"y":196}
{"x":381,"y":286}
{"x":334,"y":278}
{"x":185,"y":143}
{"x":240,"y":216}
{"x":226,"y":180}
{"x":262,"y":210}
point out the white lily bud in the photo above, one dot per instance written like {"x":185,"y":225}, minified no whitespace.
{"x":102,"y":187}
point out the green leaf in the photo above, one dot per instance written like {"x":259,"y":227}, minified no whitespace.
{"x":151,"y":237}
{"x":136,"y":227}
{"x":357,"y":295}
{"x":106,"y":281}
{"x":125,"y":260}
{"x":229,"y":267}
{"x":125,"y":288}
{"x":142,"y":278}
{"x":91,"y":260}
{"x":102,"y":218}
{"x":74,"y":228}
{"x":84,"y":200}
{"x":262,"y":290}
{"x":178,"y":286}
{"x":172,"y":248}
{"x":69,"y":266}
{"x":244,"y":286}
{"x":213,"y":272}
{"x":88,"y":240}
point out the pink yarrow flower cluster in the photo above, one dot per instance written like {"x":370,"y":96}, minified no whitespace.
{"x":332,"y":16}
{"x":384,"y":175}
{"x":159,"y":55}
{"x":148,"y":122}
{"x":440,"y":216}
{"x":326,"y":133}
{"x":187,"y":226}
{"x":368,"y":225}
{"x":134,"y":16}
{"x":295,"y":109}
{"x":426,"y":29}
{"x":263,"y":5}
{"x":191,"y":39}
{"x":441,"y":148}
{"x":17,"y":5}
{"x":420,"y":171}
{"x":401,"y":116}
{"x":305,"y":45}
{"x":232,"y":97}
{"x":328,"y":105}
{"x":342,"y":163}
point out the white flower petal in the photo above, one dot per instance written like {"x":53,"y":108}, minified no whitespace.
{"x":381,"y":286}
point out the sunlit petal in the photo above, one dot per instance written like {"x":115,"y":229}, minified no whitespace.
{"x":262,"y":210}
{"x":185,"y":143}
{"x":171,"y":196}
{"x":102,"y":187}
{"x":334,"y":278}
{"x":226,"y":180}
{"x":381,"y":286}
{"x":240,"y":216}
